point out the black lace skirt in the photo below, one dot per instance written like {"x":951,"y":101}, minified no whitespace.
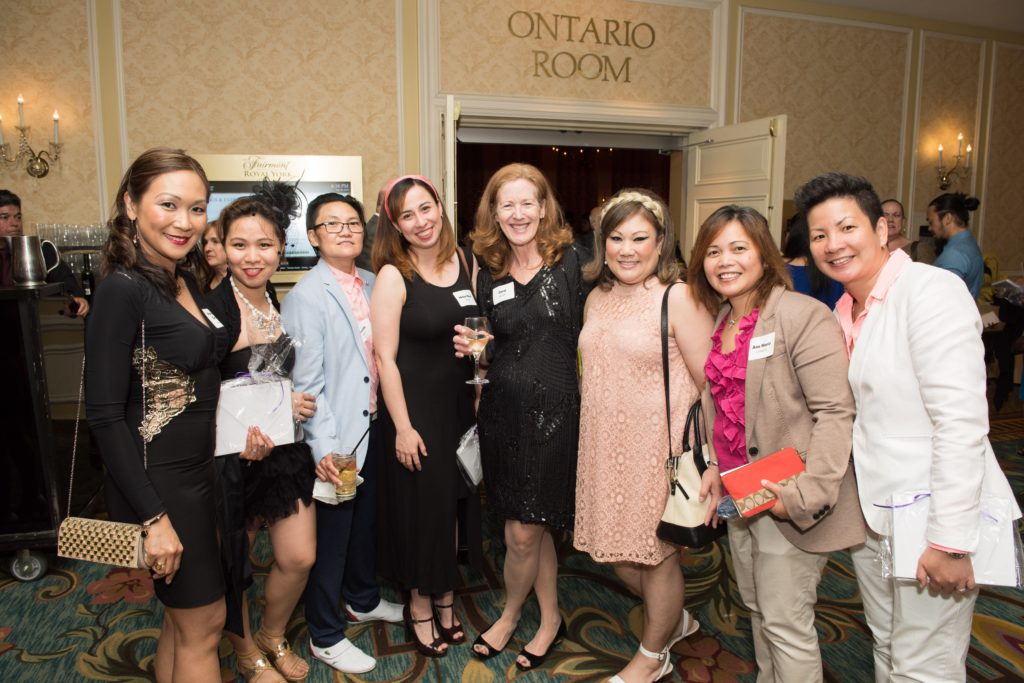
{"x":275,"y":485}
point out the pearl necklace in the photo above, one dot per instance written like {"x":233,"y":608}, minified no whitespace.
{"x":264,"y":322}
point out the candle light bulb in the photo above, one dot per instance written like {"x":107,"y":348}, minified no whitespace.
{"x":21,"y":111}
{"x":959,"y":143}
{"x":56,"y":127}
{"x":940,"y":155}
{"x":1,"y":129}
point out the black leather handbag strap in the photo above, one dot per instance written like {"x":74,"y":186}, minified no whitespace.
{"x":693,"y":416}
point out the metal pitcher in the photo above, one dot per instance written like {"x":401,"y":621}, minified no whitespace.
{"x":28,"y":267}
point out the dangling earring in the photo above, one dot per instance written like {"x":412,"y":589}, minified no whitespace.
{"x":135,"y":232}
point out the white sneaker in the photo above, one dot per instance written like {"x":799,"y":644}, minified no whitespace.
{"x":344,"y":656}
{"x":390,"y":612}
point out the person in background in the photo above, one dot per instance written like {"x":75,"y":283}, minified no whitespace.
{"x":216,"y":257}
{"x":897,"y":238}
{"x":949,"y":219}
{"x":793,"y":395}
{"x":263,"y":485}
{"x":151,"y":390}
{"x":531,"y":289}
{"x":622,"y":485}
{"x":917,"y":371}
{"x":807,"y":279}
{"x":11,"y":226}
{"x":365,"y":258}
{"x":423,"y":290}
{"x":329,"y":311}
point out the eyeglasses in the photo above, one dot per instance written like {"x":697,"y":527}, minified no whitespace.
{"x":335,"y":227}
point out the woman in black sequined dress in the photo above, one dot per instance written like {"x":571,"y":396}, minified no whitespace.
{"x":531,"y":290}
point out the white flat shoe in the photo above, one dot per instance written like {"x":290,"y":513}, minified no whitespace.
{"x":390,"y":612}
{"x":344,"y":656}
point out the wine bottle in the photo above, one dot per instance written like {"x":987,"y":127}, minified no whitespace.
{"x":88,"y":281}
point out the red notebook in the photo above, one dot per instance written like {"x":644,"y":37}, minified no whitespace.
{"x":744,"y":482}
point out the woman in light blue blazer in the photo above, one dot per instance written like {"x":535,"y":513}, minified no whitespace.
{"x":328,"y":311}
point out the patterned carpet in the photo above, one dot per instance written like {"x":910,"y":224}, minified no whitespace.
{"x":85,"y":622}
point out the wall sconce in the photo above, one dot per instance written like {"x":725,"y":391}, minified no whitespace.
{"x":946,"y":175}
{"x":37,"y":165}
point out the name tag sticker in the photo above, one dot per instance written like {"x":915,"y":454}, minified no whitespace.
{"x":762,"y":347}
{"x":464,"y":297}
{"x":212,"y":318}
{"x":504,"y":293}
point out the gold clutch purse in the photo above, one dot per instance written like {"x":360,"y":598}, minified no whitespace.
{"x":102,"y":541}
{"x":99,"y":540}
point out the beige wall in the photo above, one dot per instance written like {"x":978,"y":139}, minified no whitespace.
{"x":270,"y":77}
{"x":950,"y":102}
{"x":868,"y":92}
{"x":632,"y":51}
{"x":1003,"y":194}
{"x":45,"y":48}
{"x":844,"y":112}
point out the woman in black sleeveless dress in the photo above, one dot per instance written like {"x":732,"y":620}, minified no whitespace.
{"x":264,"y":484}
{"x":422,"y":291}
{"x":531,"y":289}
{"x":149,"y":320}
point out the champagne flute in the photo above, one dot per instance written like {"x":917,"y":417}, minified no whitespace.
{"x":479,"y":335}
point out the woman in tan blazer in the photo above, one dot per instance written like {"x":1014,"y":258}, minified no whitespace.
{"x":777,"y":379}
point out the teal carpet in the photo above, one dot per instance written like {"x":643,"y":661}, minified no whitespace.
{"x":87,"y":622}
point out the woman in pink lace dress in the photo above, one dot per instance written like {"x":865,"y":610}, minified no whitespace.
{"x":621,"y":484}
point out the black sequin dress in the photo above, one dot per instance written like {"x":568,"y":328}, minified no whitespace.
{"x":530,"y":412}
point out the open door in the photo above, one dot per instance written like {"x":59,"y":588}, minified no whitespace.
{"x":740,"y":164}
{"x":449,"y":135}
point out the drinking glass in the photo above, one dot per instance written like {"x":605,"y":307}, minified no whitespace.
{"x":345,"y":463}
{"x":477,"y":340}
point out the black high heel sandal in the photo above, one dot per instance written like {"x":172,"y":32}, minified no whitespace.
{"x":537,"y":660}
{"x":491,"y":650}
{"x":431,"y":650}
{"x":449,"y":632}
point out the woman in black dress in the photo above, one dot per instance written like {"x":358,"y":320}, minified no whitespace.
{"x":531,"y":289}
{"x":422,"y":290}
{"x":149,"y":320}
{"x":263,"y":484}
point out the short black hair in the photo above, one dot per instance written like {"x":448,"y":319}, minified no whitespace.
{"x":7,"y":198}
{"x":314,"y":207}
{"x":835,"y":184}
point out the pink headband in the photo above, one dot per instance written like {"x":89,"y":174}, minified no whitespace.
{"x":394,"y":181}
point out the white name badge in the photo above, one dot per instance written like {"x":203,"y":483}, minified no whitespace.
{"x":212,"y":318}
{"x":762,"y":347}
{"x":504,"y":293}
{"x":464,"y":297}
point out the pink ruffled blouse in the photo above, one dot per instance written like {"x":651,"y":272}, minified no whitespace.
{"x":727,"y":374}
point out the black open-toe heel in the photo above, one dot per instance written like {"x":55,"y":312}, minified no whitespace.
{"x":537,"y":660}
{"x":491,"y":650}
{"x":451,"y":634}
{"x":431,"y":650}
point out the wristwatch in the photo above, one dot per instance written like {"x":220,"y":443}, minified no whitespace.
{"x":956,"y":556}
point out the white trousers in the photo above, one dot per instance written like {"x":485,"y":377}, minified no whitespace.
{"x":778,"y":583}
{"x":918,"y":636}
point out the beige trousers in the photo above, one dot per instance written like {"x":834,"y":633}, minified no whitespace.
{"x":779,"y":585}
{"x":918,"y":636}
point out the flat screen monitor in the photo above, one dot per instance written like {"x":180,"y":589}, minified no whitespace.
{"x":298,"y":252}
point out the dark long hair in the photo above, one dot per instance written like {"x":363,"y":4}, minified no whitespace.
{"x":798,"y":244}
{"x":958,"y":204}
{"x":120,"y":251}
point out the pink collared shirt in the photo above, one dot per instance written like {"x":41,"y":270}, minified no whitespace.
{"x":352,"y":285}
{"x":851,"y":327}
{"x":844,"y":307}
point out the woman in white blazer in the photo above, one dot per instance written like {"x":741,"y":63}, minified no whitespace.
{"x":328,"y":311}
{"x":918,"y":377}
